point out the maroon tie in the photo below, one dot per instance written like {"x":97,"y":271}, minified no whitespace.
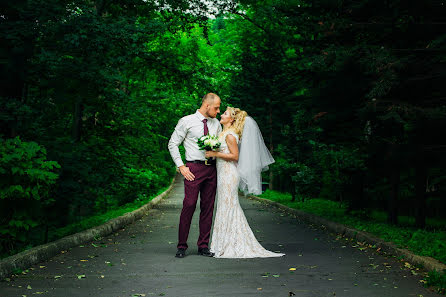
{"x":206,"y":130}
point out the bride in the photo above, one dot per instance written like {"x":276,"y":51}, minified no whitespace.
{"x":231,"y":236}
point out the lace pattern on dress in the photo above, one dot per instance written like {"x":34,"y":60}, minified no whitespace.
{"x":231,"y":235}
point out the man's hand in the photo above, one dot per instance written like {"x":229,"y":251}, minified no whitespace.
{"x":185,"y":171}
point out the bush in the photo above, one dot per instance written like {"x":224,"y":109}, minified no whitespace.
{"x":27,"y":179}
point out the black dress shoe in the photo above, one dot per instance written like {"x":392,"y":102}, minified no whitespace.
{"x":181,"y":253}
{"x":205,"y":252}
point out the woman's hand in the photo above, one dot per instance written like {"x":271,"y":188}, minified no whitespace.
{"x":210,"y":154}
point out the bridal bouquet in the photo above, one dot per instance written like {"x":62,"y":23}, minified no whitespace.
{"x":208,"y":143}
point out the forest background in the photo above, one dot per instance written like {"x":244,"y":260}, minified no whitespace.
{"x":349,"y":95}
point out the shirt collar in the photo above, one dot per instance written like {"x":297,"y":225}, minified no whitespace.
{"x":201,"y":117}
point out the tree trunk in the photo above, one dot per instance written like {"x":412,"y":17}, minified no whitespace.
{"x":46,"y":232}
{"x":271,"y":146}
{"x":392,"y":211}
{"x":293,"y":191}
{"x":420,"y":192}
{"x":77,"y":121}
{"x":357,"y":198}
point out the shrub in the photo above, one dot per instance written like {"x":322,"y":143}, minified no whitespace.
{"x":26,"y":182}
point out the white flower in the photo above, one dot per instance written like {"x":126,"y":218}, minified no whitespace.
{"x":214,"y":142}
{"x":207,"y":142}
{"x":203,"y":137}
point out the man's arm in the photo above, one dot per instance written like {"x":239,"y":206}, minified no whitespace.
{"x":176,"y":139}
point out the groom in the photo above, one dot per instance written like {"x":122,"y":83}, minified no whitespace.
{"x":200,"y":177}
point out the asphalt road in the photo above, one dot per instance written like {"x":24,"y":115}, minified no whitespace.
{"x":139,"y":261}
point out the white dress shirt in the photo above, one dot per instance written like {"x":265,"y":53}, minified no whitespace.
{"x":187,"y":131}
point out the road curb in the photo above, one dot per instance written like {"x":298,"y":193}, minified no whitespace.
{"x":46,"y":251}
{"x":428,"y":263}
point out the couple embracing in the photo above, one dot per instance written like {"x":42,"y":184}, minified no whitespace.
{"x":238,"y":163}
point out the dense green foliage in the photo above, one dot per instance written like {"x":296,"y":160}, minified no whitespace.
{"x":355,"y":88}
{"x":27,"y":179}
{"x":96,"y":87}
{"x":349,"y":96}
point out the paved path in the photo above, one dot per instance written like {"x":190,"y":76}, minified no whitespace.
{"x":139,"y":261}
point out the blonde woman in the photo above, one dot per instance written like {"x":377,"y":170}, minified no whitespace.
{"x":231,"y":235}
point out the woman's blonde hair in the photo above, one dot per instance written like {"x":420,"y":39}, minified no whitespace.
{"x":239,"y":117}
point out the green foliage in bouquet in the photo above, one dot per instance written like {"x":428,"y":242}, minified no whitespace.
{"x":208,"y":143}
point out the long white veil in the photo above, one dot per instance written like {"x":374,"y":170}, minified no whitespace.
{"x":254,"y":157}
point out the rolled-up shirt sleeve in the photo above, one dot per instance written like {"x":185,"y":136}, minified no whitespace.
{"x":176,"y":139}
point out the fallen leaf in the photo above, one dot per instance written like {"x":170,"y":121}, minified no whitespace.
{"x":292,"y":269}
{"x":41,"y":266}
{"x":259,"y":289}
{"x":80,"y":276}
{"x":29,"y":287}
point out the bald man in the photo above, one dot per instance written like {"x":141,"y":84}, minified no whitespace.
{"x":200,"y":177}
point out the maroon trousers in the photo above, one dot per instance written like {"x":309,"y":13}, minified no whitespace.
{"x":205,"y":184}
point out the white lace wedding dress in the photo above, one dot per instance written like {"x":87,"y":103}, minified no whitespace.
{"x":231,"y":235}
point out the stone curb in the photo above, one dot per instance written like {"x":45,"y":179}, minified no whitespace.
{"x":46,"y":251}
{"x":428,"y":263}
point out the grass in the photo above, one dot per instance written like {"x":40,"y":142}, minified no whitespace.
{"x":430,"y":242}
{"x":91,"y":221}
{"x":437,"y":280}
{"x":99,"y":219}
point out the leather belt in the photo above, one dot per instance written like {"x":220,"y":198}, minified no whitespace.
{"x":207,"y":162}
